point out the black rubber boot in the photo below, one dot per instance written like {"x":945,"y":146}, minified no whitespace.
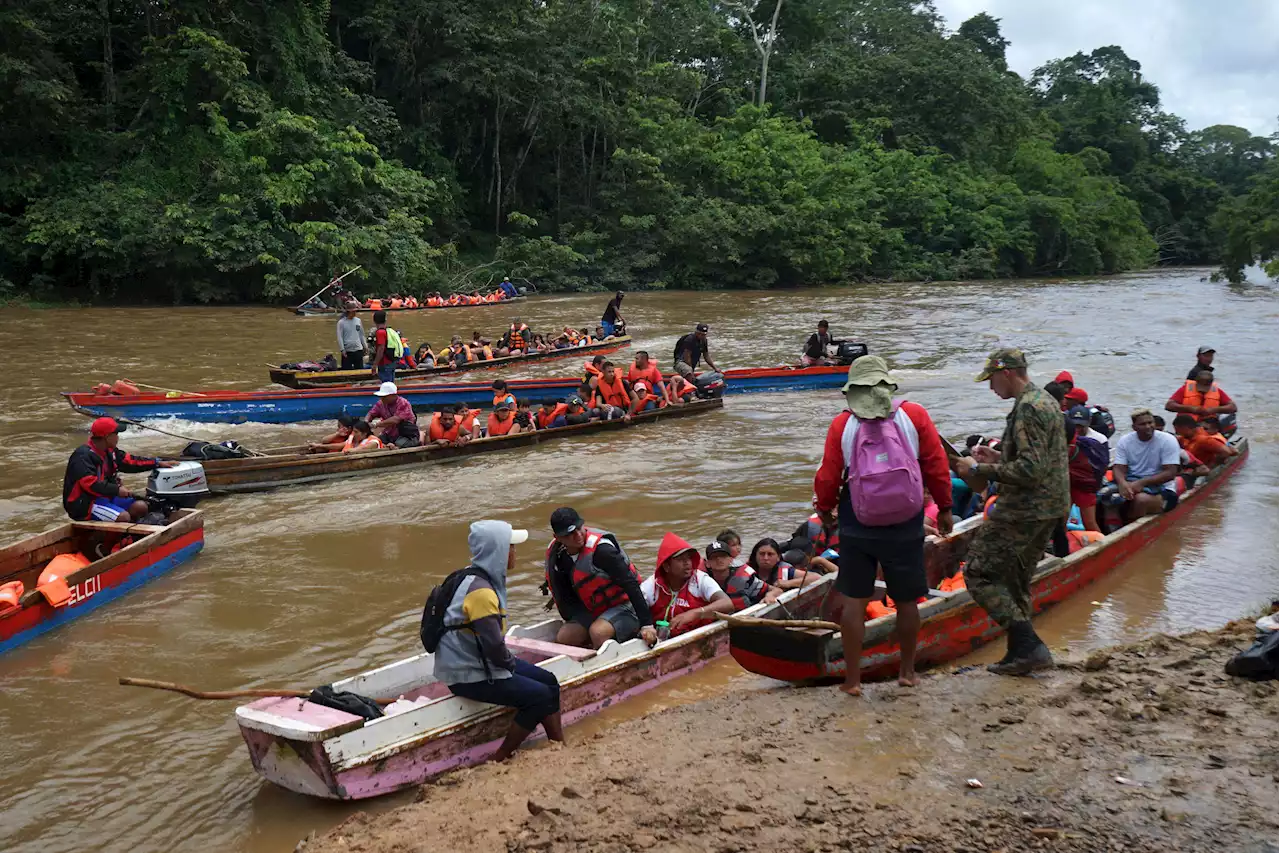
{"x":1029,"y":652}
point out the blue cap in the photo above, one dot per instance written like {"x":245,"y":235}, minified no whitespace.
{"x":1079,"y":416}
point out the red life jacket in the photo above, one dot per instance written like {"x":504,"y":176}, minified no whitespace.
{"x":595,"y":589}
{"x":544,"y":420}
{"x":671,"y":603}
{"x":744,"y":588}
{"x":814,"y":533}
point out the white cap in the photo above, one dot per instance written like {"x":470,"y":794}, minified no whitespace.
{"x":519,"y":536}
{"x":386,"y":390}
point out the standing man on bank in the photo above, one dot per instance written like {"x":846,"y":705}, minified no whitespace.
{"x":1031,"y":473}
{"x":351,"y":337}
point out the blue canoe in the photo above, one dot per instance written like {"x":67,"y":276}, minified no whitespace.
{"x":317,"y":404}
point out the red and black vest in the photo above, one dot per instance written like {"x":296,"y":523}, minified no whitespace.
{"x":596,"y":590}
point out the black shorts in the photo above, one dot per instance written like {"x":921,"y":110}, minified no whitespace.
{"x":902,"y":562}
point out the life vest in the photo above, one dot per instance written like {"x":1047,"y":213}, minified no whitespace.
{"x":876,"y":609}
{"x":683,"y":387}
{"x":817,"y":535}
{"x":397,"y":303}
{"x":375,"y":304}
{"x":468,"y":420}
{"x":574,"y":337}
{"x":646,"y":396}
{"x":503,"y":398}
{"x":516,"y":336}
{"x":544,"y":420}
{"x":955,"y":583}
{"x":612,"y":394}
{"x":61,"y":567}
{"x":743,"y":588}
{"x":10,"y":594}
{"x":1078,"y":539}
{"x":124,"y":388}
{"x":435,"y":431}
{"x":497,"y":427}
{"x":591,"y":370}
{"x":595,"y":589}
{"x":1191,"y":396}
{"x":671,"y":603}
{"x":370,"y":443}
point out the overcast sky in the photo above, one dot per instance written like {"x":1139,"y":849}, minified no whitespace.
{"x":1215,"y":62}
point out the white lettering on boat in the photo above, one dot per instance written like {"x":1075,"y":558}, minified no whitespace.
{"x":84,"y":590}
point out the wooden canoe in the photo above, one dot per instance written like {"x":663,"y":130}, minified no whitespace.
{"x":331,"y":378}
{"x":155,"y":551}
{"x":952,"y":625}
{"x":292,"y":465}
{"x":323,"y":752}
{"x":326,"y":312}
{"x":280,"y":406}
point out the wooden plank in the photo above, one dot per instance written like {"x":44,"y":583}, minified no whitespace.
{"x":547,"y":649}
{"x":299,"y":719}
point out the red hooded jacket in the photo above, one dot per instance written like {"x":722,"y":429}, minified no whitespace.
{"x":670,"y":603}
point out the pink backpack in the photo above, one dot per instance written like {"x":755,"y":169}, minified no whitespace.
{"x":885,"y":483}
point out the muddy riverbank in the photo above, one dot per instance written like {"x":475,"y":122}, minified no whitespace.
{"x":1149,"y":747}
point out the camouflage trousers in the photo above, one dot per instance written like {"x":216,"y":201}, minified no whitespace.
{"x":1001,"y":560}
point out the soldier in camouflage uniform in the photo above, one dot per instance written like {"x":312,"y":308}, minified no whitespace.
{"x":1031,"y":472}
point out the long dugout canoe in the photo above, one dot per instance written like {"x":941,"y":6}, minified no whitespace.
{"x":317,"y":404}
{"x":258,"y":473}
{"x":951,"y":623}
{"x":328,"y":312}
{"x":330,"y":378}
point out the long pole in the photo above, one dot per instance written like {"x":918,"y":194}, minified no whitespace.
{"x":337,"y":280}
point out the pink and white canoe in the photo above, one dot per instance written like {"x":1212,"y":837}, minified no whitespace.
{"x":329,"y":753}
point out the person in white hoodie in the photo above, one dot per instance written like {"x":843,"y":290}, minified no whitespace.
{"x":474,"y":661}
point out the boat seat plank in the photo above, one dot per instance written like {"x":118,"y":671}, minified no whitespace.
{"x":542,"y":647}
{"x":299,"y":719}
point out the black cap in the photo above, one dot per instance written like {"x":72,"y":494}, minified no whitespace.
{"x":565,"y":520}
{"x":702,"y":327}
{"x":717,"y":547}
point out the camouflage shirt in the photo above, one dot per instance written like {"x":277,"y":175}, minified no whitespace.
{"x":1032,"y":472}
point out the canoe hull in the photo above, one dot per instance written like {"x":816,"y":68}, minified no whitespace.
{"x":957,"y":625}
{"x":330,"y":312}
{"x":146,"y":559}
{"x":282,"y":407}
{"x":305,"y":767}
{"x":333,"y":378}
{"x":268,"y":472}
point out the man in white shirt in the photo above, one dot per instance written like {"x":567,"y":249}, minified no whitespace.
{"x":1146,"y":463}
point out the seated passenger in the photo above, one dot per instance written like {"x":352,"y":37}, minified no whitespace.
{"x":502,"y":421}
{"x":361,"y":439}
{"x":469,"y":420}
{"x":734,"y":543}
{"x":643,"y":368}
{"x":397,"y":424}
{"x":1191,"y":470}
{"x":680,"y":593}
{"x":551,"y":415}
{"x":501,"y":394}
{"x":333,"y":442}
{"x":739,"y":583}
{"x":612,"y":396}
{"x":645,"y":400}
{"x":1146,"y":461}
{"x":766,"y":562}
{"x":445,"y":428}
{"x":1212,"y":450}
{"x":1202,"y":398}
{"x":594,"y":586}
{"x":425,"y":357}
{"x":1087,"y":464}
{"x":593,"y":369}
{"x":576,"y":412}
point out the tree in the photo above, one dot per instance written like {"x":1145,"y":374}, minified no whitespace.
{"x":765,"y":41}
{"x":983,"y":32}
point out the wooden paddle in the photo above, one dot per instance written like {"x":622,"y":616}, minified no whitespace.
{"x":734,"y":619}
{"x":257,"y":693}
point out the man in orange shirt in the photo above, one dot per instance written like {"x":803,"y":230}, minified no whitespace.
{"x":644,"y":369}
{"x":1212,"y":450}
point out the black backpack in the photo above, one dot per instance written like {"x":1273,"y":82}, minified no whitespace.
{"x":433,"y":627}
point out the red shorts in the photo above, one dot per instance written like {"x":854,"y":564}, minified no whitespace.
{"x":1084,"y":499}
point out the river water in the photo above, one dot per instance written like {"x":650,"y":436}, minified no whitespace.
{"x":301,"y":586}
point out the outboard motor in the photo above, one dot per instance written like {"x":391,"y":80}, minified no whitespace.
{"x":1227,"y":424}
{"x":709,"y":386}
{"x":179,"y":487}
{"x":847,"y":351}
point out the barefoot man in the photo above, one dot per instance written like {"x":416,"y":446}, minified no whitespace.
{"x":1031,"y":473}
{"x":879,"y":458}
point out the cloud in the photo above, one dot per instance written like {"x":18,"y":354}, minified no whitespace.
{"x":1215,"y":63}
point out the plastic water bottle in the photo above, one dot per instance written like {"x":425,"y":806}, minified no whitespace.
{"x":664,"y":629}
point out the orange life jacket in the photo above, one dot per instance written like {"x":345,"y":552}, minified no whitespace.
{"x":591,"y":370}
{"x":612,"y":394}
{"x":10,"y":594}
{"x":516,"y":336}
{"x":436,"y":431}
{"x":411,"y":302}
{"x":375,"y":304}
{"x":504,"y":397}
{"x":682,"y":386}
{"x":434,"y":301}
{"x":1078,"y":539}
{"x":373,"y":441}
{"x":397,"y":303}
{"x":596,"y":590}
{"x":544,"y":420}
{"x":955,"y":583}
{"x":1191,"y":396}
{"x":876,"y":609}
{"x":497,"y":427}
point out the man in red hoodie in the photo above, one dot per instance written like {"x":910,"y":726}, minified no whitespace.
{"x":881,"y":503}
{"x":680,"y":593}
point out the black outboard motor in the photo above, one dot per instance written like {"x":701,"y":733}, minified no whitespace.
{"x":847,"y":351}
{"x":710,"y":389}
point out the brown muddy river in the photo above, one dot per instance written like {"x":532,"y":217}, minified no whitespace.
{"x":303,"y":585}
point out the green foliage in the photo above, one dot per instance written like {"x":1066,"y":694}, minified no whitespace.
{"x":233,"y":151}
